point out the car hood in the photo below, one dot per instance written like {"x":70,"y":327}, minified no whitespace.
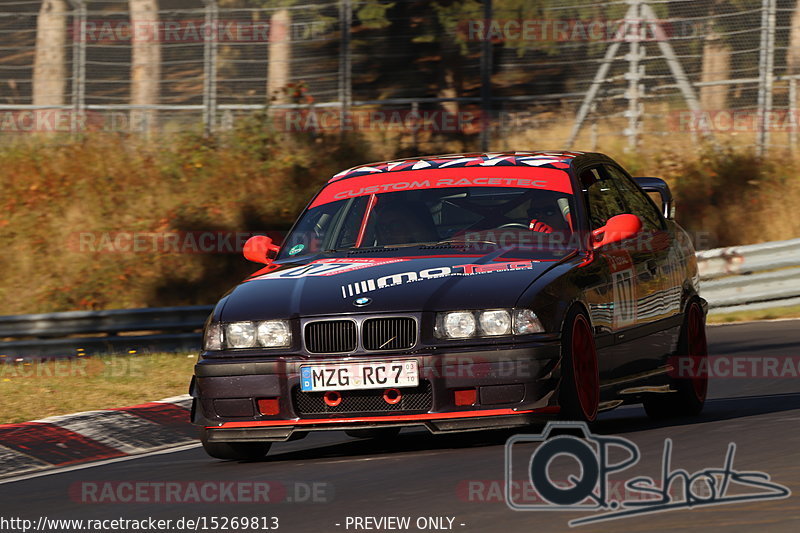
{"x":330,"y":286}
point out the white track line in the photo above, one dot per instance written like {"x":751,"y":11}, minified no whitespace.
{"x":98,"y":463}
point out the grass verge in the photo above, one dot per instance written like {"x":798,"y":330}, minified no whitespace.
{"x":760,"y":314}
{"x":40,"y":389}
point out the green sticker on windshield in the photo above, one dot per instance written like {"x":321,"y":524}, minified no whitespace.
{"x":296,"y":249}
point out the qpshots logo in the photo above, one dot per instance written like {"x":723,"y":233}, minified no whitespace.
{"x":593,"y":487}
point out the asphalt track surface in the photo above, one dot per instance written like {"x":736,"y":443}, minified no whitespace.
{"x":460,"y":476}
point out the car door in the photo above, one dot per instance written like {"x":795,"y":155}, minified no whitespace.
{"x":629,"y":276}
{"x":659,"y":280}
{"x":655,"y":248}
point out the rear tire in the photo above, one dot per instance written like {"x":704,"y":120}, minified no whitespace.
{"x":381,"y":434}
{"x":690,"y":395}
{"x":235,"y":451}
{"x":579,"y":395}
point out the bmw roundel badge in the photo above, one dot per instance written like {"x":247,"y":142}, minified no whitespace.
{"x":361,"y":302}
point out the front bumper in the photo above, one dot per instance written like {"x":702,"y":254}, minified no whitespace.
{"x":515,"y":385}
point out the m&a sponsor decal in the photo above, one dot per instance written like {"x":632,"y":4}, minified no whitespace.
{"x":393,"y":280}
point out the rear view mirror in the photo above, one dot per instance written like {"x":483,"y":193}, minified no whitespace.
{"x":257,"y":249}
{"x":660,"y":187}
{"x":617,"y":228}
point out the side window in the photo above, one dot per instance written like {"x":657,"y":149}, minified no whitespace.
{"x":638,"y":202}
{"x":602,"y":196}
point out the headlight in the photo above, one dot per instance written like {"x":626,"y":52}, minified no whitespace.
{"x":458,"y":325}
{"x":240,"y":335}
{"x":274,"y":334}
{"x":212,"y":337}
{"x":526,"y":321}
{"x":495,"y":322}
{"x":489,"y":323}
{"x":267,"y":334}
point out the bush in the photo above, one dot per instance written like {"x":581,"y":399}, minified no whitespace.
{"x":732,"y":196}
{"x":55,"y":190}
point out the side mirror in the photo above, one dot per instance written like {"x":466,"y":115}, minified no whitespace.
{"x":659,"y":186}
{"x":257,"y":249}
{"x":617,"y":228}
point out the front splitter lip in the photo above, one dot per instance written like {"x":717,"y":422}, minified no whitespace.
{"x":548,"y":410}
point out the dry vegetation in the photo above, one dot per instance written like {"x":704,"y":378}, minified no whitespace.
{"x":37,"y":390}
{"x":54,"y":189}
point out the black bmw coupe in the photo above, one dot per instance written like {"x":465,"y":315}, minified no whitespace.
{"x":457,"y":293}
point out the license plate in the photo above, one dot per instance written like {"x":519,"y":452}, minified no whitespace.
{"x":351,"y":376}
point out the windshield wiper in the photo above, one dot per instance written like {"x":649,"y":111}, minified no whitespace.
{"x":465,"y":243}
{"x":392,"y":247}
{"x":363,"y":249}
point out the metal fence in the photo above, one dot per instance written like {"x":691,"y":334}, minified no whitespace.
{"x":114,"y":331}
{"x":642,"y":69}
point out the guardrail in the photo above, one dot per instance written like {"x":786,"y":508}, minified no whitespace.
{"x":750,"y":277}
{"x":118,"y":331}
{"x":758,"y":276}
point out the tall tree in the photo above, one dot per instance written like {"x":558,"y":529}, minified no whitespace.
{"x":49,"y":68}
{"x":280,"y":53}
{"x":146,"y":62}
{"x":716,"y":66}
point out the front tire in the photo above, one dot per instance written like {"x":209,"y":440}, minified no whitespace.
{"x":690,"y":392}
{"x":579,"y":395}
{"x":235,"y":451}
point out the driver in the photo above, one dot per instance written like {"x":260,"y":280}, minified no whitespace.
{"x":548,"y":214}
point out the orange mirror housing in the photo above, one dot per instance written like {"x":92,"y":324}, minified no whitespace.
{"x":257,"y":249}
{"x":617,"y":228}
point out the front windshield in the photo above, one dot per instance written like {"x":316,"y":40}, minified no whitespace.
{"x":490,"y":217}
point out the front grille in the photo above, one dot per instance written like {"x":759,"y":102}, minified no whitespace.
{"x":396,"y":333}
{"x":331,"y":336}
{"x":416,"y":400}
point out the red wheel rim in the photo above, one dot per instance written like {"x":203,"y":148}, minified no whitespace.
{"x":698,"y":350}
{"x":584,"y":367}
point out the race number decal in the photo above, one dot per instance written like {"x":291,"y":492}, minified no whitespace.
{"x":624,"y":298}
{"x":622,"y":282}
